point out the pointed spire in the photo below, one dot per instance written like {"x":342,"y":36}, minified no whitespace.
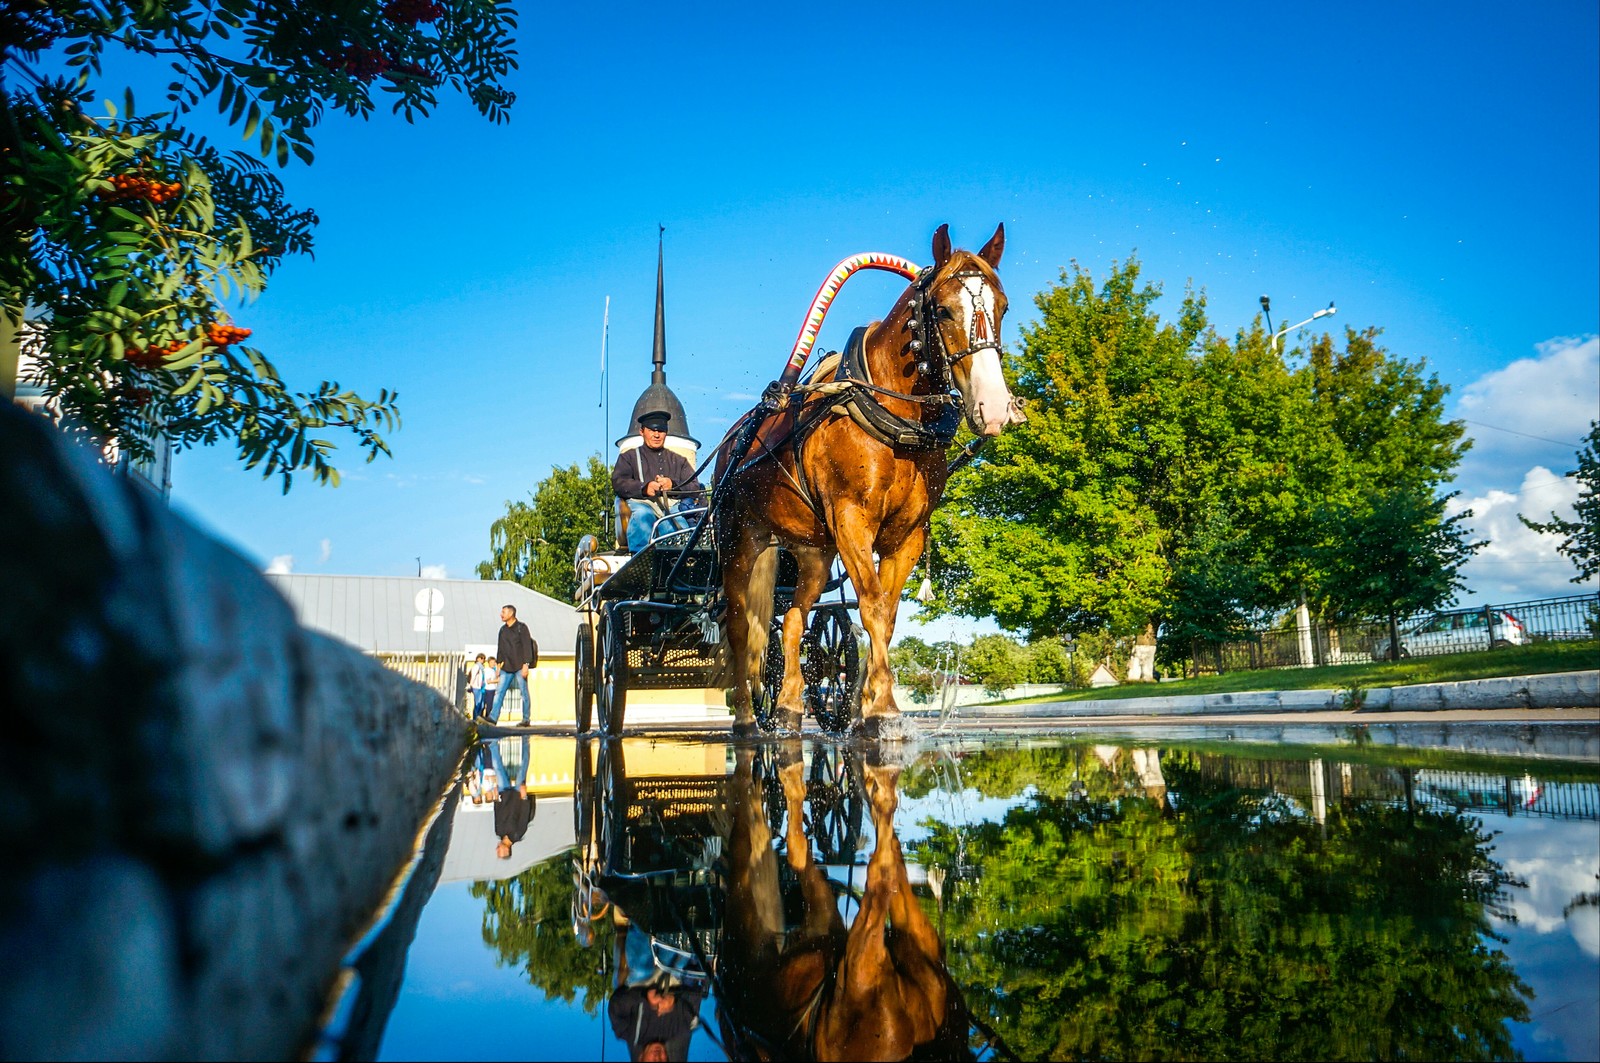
{"x":658,"y":356}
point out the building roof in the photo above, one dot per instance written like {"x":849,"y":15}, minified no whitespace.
{"x":657,"y":396}
{"x":471,"y":856}
{"x":390,"y":614}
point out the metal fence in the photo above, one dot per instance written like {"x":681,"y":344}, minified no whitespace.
{"x":1318,"y":783}
{"x":444,"y":672}
{"x":1570,"y":618}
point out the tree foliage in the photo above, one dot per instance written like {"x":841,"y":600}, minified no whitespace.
{"x":1392,"y":555}
{"x":1170,"y":478}
{"x":1582,"y":542}
{"x":534,"y":542}
{"x":126,"y":236}
{"x":527,"y":920}
{"x":1094,"y":921}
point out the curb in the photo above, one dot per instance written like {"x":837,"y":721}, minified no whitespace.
{"x":1554,"y":690}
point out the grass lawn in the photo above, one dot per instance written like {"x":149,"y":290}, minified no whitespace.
{"x":1445,"y":668}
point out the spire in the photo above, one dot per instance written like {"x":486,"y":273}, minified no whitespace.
{"x":658,"y":356}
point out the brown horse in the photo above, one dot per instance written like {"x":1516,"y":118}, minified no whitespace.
{"x":810,"y":989}
{"x":853,"y":466}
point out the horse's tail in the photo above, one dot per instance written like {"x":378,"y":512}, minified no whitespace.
{"x":758,"y":612}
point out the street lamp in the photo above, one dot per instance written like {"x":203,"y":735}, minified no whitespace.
{"x":1266,"y":308}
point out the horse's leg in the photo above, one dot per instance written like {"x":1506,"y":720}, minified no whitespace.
{"x":854,"y":531}
{"x":755,"y":912}
{"x":821,"y":915}
{"x":740,"y":552}
{"x":867,"y":1018}
{"x":813,"y":565}
{"x":879,"y":591}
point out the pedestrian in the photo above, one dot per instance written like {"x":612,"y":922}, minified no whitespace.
{"x":519,"y":655}
{"x":491,"y":684}
{"x":477,"y":684}
{"x":513,"y":805}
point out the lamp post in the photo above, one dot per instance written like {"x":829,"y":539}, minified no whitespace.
{"x":1266,"y":308}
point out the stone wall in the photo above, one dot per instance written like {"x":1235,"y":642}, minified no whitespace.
{"x":200,"y":802}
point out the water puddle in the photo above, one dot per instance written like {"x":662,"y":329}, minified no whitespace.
{"x":1111,"y":897}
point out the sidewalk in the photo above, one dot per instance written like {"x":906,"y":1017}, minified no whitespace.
{"x":1556,"y":690}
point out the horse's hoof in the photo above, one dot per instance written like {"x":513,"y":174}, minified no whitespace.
{"x":791,"y":724}
{"x":745,"y":732}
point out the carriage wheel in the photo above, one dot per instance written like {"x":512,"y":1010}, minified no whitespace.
{"x":610,"y":805}
{"x":583,"y":796}
{"x":832,"y":669}
{"x":765,"y":703}
{"x":583,"y":676}
{"x":613,"y":690}
{"x":837,"y":808}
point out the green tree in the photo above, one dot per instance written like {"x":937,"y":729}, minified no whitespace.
{"x":527,"y":920}
{"x":1064,"y":524}
{"x":126,"y":236}
{"x":1097,"y":921}
{"x":1393,"y":555}
{"x":1169,"y":479}
{"x":534,"y":542}
{"x":995,"y":661}
{"x":1582,"y":544}
{"x":1047,"y":661}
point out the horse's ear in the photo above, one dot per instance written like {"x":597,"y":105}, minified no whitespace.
{"x":941,"y":246}
{"x":995,"y":247}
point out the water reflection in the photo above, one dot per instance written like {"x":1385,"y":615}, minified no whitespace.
{"x":720,"y":885}
{"x":1052,"y":900}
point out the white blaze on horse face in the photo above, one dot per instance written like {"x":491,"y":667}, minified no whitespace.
{"x":990,"y":406}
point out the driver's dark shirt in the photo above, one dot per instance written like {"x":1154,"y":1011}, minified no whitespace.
{"x":625,"y":475}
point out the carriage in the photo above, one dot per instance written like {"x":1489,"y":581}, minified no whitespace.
{"x":652,"y":621}
{"x":651,"y":843}
{"x":836,"y":470}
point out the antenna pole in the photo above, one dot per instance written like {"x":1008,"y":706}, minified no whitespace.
{"x":605,"y":381}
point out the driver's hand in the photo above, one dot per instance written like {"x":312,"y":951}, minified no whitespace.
{"x":666,"y":484}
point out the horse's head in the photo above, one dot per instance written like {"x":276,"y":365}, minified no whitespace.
{"x":958,"y":309}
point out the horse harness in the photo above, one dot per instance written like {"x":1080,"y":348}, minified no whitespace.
{"x":853,"y":393}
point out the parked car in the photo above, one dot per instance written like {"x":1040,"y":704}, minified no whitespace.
{"x":1455,"y":632}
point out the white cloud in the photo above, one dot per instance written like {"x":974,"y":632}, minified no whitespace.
{"x":433,"y":572}
{"x":1520,"y":563}
{"x":1539,"y":409}
{"x":1526,"y":422}
{"x":281,"y":565}
{"x":325,"y":551}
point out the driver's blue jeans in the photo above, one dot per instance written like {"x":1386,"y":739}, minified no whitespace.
{"x":643,"y":521}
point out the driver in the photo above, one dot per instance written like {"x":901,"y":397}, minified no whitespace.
{"x":645,"y":474}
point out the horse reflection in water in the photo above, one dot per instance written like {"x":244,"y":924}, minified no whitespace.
{"x":808,"y":988}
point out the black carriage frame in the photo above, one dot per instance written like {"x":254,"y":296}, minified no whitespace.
{"x":656,"y":624}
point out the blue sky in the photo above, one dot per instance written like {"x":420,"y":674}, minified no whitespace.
{"x":1433,"y":168}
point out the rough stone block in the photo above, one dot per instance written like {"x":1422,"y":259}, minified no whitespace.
{"x":201,"y":803}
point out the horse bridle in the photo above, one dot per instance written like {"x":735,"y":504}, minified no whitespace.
{"x":927,"y":340}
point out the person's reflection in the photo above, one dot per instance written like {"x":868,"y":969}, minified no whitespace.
{"x":655,"y":1019}
{"x":812,"y":989}
{"x":513,"y":805}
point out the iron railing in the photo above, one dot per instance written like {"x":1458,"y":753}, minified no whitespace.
{"x":1489,"y":627}
{"x":444,"y":672}
{"x":1314,"y":782}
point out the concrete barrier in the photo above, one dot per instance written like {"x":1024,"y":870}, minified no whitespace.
{"x":200,"y":802}
{"x":1556,"y":690}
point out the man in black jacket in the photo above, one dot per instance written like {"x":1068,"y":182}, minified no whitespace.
{"x":645,"y":474}
{"x":519,"y":655}
{"x":655,"y":1020}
